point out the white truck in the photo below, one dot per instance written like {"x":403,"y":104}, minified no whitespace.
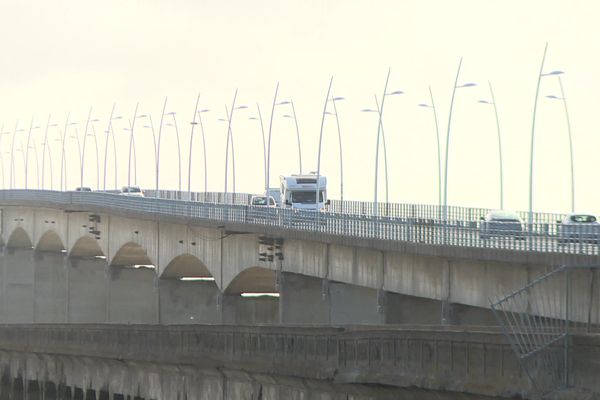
{"x":300,"y":192}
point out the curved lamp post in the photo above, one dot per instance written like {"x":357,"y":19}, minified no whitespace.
{"x":131,"y":143}
{"x":63,"y":183}
{"x":339,"y":131}
{"x":93,"y":134}
{"x":269,"y":139}
{"x":262,"y":131}
{"x":437,"y":139}
{"x":162,"y":117}
{"x":381,"y":133}
{"x":174,"y":124}
{"x":110,"y":132}
{"x":317,"y":188}
{"x":194,"y":123}
{"x":456,"y":86}
{"x":564,"y":101}
{"x":12,"y":155}
{"x":493,"y":103}
{"x":295,"y":118}
{"x":535,"y":103}
{"x":31,"y":128}
{"x":229,"y":119}
{"x":46,"y":146}
{"x":85,"y":134}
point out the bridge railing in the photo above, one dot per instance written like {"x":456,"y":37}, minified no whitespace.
{"x":545,"y":222}
{"x":408,"y":226}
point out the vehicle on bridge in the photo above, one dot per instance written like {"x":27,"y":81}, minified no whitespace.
{"x":578,"y":227}
{"x":83,"y":189}
{"x":134,"y":191}
{"x":300,"y":192}
{"x":501,"y":223}
{"x":263,"y":201}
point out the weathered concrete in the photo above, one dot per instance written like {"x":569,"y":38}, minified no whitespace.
{"x":133,"y":295}
{"x":85,"y":356}
{"x":18,"y":285}
{"x":233,"y":258}
{"x":50,"y":287}
{"x":87,"y":290}
{"x":190,"y":302}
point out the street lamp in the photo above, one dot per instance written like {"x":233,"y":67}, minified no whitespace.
{"x":85,"y":132}
{"x":174,"y":124}
{"x":437,"y":137}
{"x":62,"y":160}
{"x":262,"y":130}
{"x":110,"y":132}
{"x":317,"y":186}
{"x":456,"y":86}
{"x":564,"y":101}
{"x":26,"y":154}
{"x":293,"y":116}
{"x":337,"y":121}
{"x":381,"y":133}
{"x":229,"y":119}
{"x":46,"y":145}
{"x":535,"y":103}
{"x":131,"y":144}
{"x":162,"y":117}
{"x":12,"y":152}
{"x":194,"y":123}
{"x":493,"y":103}
{"x":269,"y":140}
{"x":97,"y":152}
{"x":2,"y":133}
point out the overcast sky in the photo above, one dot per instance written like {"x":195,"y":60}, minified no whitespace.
{"x":66,"y":56}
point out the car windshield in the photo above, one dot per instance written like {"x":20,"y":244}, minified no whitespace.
{"x":585,"y":219}
{"x":259,"y":201}
{"x":306,"y":197}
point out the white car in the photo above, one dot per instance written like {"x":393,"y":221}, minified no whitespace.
{"x":263,"y":201}
{"x":501,"y":223}
{"x":578,"y":227}
{"x":134,"y":191}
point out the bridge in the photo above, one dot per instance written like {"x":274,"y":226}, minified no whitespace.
{"x":96,"y":258}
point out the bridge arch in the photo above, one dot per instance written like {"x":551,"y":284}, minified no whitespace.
{"x":86,"y":246}
{"x":130,"y":254}
{"x":186,"y":266}
{"x":19,"y":239}
{"x":50,"y":241}
{"x":253,"y":280}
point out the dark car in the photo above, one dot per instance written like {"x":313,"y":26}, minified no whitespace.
{"x":501,"y":224}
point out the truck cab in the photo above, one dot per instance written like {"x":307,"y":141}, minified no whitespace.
{"x":300,"y":192}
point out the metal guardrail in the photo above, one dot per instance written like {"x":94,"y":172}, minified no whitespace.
{"x":535,"y":237}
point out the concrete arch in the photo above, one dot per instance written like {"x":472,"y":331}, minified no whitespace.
{"x":131,"y":253}
{"x":186,"y":265}
{"x":253,"y":280}
{"x":86,"y":246}
{"x":19,"y":239}
{"x":50,"y":241}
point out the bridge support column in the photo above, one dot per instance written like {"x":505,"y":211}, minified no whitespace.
{"x":307,"y":299}
{"x":50,"y":287}
{"x":18,"y":285}
{"x":188,"y":302}
{"x":132,"y":295}
{"x":250,"y":310}
{"x":87,"y":290}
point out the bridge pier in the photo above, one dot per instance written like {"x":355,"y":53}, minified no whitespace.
{"x":18,"y":283}
{"x":188,"y":302}
{"x":87,"y":290}
{"x":133,"y":295}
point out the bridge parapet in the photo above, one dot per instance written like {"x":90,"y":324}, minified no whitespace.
{"x":450,"y":360}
